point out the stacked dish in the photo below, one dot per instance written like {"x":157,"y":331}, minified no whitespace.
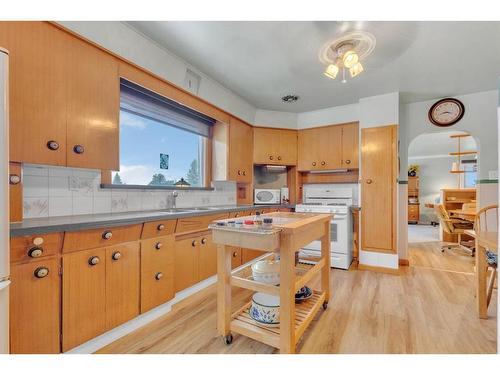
{"x":266,"y":271}
{"x":265,"y":309}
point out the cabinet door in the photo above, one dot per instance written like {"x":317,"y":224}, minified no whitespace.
{"x":208,"y":257}
{"x":240,"y":151}
{"x":84,"y":296}
{"x":248,"y":254}
{"x":186,"y":263}
{"x":308,"y":149}
{"x":350,"y":146}
{"x":378,"y":190}
{"x":122,"y":283}
{"x":265,"y":145}
{"x":330,"y":147}
{"x":235,"y":257}
{"x":287,"y":147}
{"x":37,"y":90}
{"x":93,"y":107}
{"x":157,"y":271}
{"x":35,"y":307}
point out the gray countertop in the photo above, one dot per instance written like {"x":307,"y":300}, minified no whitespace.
{"x":81,"y":222}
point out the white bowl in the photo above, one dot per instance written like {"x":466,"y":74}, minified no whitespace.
{"x":266,"y":271}
{"x":266,"y":308}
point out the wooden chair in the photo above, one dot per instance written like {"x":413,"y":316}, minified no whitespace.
{"x":454,"y":227}
{"x":487,"y":220}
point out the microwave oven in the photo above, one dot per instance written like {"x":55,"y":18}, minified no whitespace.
{"x":267,"y":196}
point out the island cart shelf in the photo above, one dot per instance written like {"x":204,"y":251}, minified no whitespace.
{"x":288,"y":234}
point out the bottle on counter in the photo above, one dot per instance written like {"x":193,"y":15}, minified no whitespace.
{"x":257,"y":219}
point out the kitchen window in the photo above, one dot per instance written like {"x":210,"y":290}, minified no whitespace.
{"x":161,"y":141}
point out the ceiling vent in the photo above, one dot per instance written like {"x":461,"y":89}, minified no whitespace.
{"x":290,"y":98}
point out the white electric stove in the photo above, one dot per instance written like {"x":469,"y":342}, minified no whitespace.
{"x":338,"y":202}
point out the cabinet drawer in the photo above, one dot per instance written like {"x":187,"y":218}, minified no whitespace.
{"x":158,"y":228}
{"x":35,"y":307}
{"x":89,"y":239}
{"x":157,"y":272}
{"x":197,"y":223}
{"x":413,"y":208}
{"x":28,"y":248}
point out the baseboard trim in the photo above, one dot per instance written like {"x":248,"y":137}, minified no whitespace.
{"x":365,"y":267}
{"x":404,"y":262}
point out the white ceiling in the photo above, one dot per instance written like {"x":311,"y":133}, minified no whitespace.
{"x":439,"y":144}
{"x":262,"y":61}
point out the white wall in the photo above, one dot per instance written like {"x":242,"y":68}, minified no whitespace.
{"x":275,"y":119}
{"x":328,"y":116}
{"x":123,"y":40}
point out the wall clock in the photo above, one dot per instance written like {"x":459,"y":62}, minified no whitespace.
{"x":446,"y":112}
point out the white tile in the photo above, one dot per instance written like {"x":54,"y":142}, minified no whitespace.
{"x":148,"y":201}
{"x":86,"y":173}
{"x":82,"y":205}
{"x":35,"y":207}
{"x":35,"y":186}
{"x":60,"y":172}
{"x":102,"y":193}
{"x":102,"y":205}
{"x":60,"y":206}
{"x":81,"y":187}
{"x":35,"y":170}
{"x":134,"y":200}
{"x":59,"y":187}
{"x":119,"y":200}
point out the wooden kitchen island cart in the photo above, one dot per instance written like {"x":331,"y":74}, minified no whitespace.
{"x":287,"y":235}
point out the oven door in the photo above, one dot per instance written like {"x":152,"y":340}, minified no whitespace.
{"x":338,"y":236}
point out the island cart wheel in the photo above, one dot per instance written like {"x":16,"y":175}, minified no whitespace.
{"x":228,"y":339}
{"x":325,"y":305}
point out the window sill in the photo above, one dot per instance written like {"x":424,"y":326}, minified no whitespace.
{"x":153,"y":187}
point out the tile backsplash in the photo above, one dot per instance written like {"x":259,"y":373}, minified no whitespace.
{"x":59,"y":191}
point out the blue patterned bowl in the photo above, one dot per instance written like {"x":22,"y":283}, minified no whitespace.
{"x":265,"y":308}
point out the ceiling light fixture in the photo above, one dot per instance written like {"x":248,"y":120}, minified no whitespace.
{"x":346,"y":53}
{"x":290,"y":98}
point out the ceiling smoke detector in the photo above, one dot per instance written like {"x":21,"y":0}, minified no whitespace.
{"x":290,"y":98}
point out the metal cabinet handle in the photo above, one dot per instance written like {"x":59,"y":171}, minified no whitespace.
{"x":35,"y":252}
{"x":107,"y":235}
{"x":270,"y":157}
{"x":94,"y":260}
{"x":239,"y":172}
{"x":158,"y":275}
{"x":314,"y":163}
{"x":235,"y":254}
{"x":14,"y":179}
{"x":158,"y":245}
{"x":348,"y":161}
{"x":116,"y":255}
{"x":78,"y":149}
{"x":160,"y":227}
{"x":41,"y":272}
{"x":203,"y":241}
{"x":323,"y":163}
{"x":279,"y":157}
{"x":369,"y":181}
{"x":52,"y":145}
{"x":193,"y":243}
{"x":244,"y":173}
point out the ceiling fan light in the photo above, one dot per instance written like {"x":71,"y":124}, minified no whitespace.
{"x":331,"y":71}
{"x":356,"y":69}
{"x":350,"y":58}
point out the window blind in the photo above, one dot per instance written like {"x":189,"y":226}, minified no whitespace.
{"x":143,"y":102}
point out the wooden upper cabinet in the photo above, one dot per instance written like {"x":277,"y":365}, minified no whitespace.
{"x":93,"y":104}
{"x":37,"y":91}
{"x":378,"y":191}
{"x":240,"y":151}
{"x":275,"y":146}
{"x":328,"y":147}
{"x":350,"y":146}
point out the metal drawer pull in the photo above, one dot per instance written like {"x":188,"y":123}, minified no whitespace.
{"x":35,"y":252}
{"x":14,"y":179}
{"x":193,"y":243}
{"x":203,"y":241}
{"x":116,"y":255}
{"x":158,"y":245}
{"x":160,"y":227}
{"x":235,"y":254}
{"x":107,"y":235}
{"x":244,"y":173}
{"x":158,"y":275}
{"x":279,"y":157}
{"x":323,"y":163}
{"x":94,"y":260}
{"x":41,"y":272}
{"x":270,"y":158}
{"x":78,"y":149}
{"x":52,"y":145}
{"x":314,"y":163}
{"x":369,"y":181}
{"x":239,"y":172}
{"x":348,"y":161}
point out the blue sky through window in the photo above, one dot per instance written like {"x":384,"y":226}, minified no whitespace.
{"x":143,"y":140}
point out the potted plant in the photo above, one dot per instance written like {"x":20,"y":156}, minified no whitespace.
{"x":413,"y":170}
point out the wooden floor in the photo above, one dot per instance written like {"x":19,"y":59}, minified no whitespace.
{"x":429,"y":308}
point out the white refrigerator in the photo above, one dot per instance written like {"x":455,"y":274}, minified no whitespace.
{"x":4,"y":202}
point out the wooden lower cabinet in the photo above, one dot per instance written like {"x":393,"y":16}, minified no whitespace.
{"x":248,"y":254}
{"x":35,"y":307}
{"x":186,"y":262}
{"x":122,"y":283}
{"x":84,"y":296}
{"x":235,"y":257}
{"x":413,"y":213}
{"x":157,"y":271}
{"x":208,"y":257}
